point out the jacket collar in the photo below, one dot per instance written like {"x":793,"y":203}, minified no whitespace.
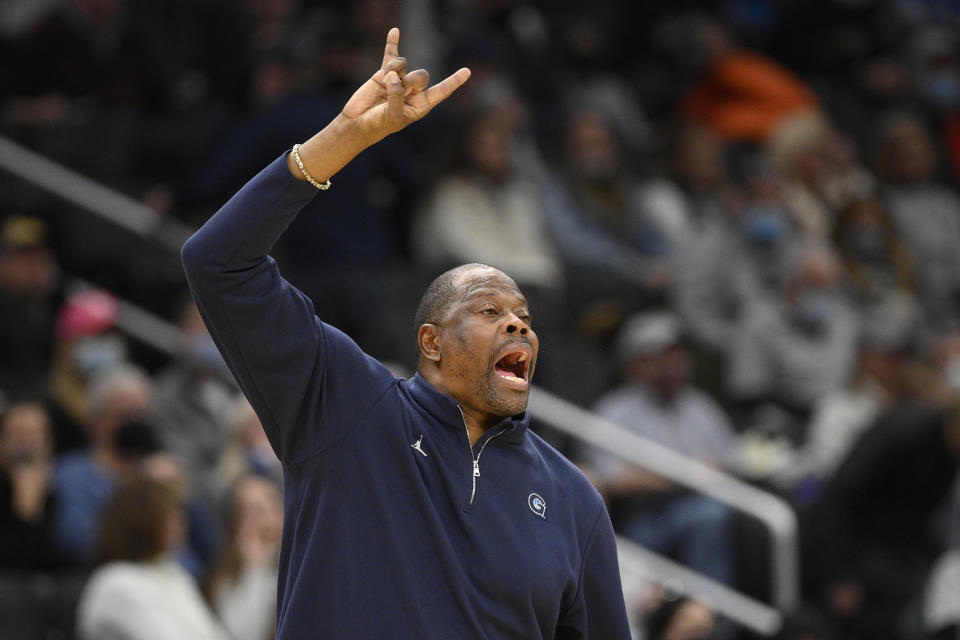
{"x":445,"y":410}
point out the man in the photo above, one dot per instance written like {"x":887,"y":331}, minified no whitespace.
{"x":480,"y":530}
{"x":659,"y":401}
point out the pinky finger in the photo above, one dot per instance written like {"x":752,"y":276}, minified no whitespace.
{"x":443,"y":89}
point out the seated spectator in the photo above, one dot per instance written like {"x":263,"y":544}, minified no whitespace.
{"x":28,"y":299}
{"x":244,"y":585}
{"x":658,"y":401}
{"x":465,"y":215}
{"x":247,"y":452}
{"x":191,"y":397}
{"x":138,"y":592}
{"x":868,"y":542}
{"x":693,"y":194}
{"x":795,"y":347}
{"x":733,"y":263}
{"x":26,"y":488}
{"x":841,"y":417}
{"x":614,"y":256}
{"x":818,"y":170}
{"x":87,"y":342}
{"x":118,"y":401}
{"x":741,"y":95}
{"x":878,"y":272}
{"x":196,"y":551}
{"x":925,"y":213}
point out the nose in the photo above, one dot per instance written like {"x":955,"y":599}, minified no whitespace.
{"x":516,"y":325}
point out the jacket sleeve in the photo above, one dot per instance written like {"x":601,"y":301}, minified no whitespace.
{"x":308,"y":382}
{"x":598,"y":612}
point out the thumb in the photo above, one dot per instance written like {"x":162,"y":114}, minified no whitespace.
{"x":395,"y":96}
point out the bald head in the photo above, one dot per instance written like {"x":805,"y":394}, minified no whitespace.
{"x":446,"y":288}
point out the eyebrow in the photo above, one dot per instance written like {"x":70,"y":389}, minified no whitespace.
{"x":490,"y":292}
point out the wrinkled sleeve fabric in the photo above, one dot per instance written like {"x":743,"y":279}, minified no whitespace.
{"x":308,"y":382}
{"x":598,"y":611}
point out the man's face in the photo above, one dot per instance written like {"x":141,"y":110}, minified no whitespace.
{"x":488,"y":349}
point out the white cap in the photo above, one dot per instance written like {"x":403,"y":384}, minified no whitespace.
{"x":647,"y":333}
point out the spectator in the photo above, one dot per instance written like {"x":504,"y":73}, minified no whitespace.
{"x":842,"y":416}
{"x":138,"y":592}
{"x":868,"y":541}
{"x":733,"y":264}
{"x":465,"y":214}
{"x":659,"y":402}
{"x":26,"y":488}
{"x":87,"y":342}
{"x":196,"y":550}
{"x":818,"y":170}
{"x":191,"y":397}
{"x":926,"y":213}
{"x":613,"y":255}
{"x":934,"y":56}
{"x":694,"y":194}
{"x":118,"y":402}
{"x":795,"y":347}
{"x":741,"y":95}
{"x":247,"y":452}
{"x":243,"y":587}
{"x":878,"y":274}
{"x":28,"y":299}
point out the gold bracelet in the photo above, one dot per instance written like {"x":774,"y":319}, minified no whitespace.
{"x":303,"y":170}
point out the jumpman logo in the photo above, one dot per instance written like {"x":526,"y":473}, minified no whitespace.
{"x":416,"y":445}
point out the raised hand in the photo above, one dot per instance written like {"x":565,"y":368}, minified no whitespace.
{"x":390,"y":100}
{"x":393,"y":98}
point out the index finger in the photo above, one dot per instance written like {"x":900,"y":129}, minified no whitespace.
{"x":442,"y":90}
{"x":392,"y":49}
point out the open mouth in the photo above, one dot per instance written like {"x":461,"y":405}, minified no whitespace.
{"x":513,"y":367}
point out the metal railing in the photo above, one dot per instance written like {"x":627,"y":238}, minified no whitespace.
{"x":565,"y":416}
{"x":115,"y":207}
{"x":776,"y":514}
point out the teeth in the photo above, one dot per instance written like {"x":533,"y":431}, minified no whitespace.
{"x":522,"y":357}
{"x":513,"y":378}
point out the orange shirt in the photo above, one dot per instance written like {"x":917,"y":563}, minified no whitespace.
{"x":744,"y":95}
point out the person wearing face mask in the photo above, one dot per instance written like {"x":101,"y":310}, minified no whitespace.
{"x":117,"y":400}
{"x":799,"y":344}
{"x":86,"y":343}
{"x":733,"y":265}
{"x":194,"y":395}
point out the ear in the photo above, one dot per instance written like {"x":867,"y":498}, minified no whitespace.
{"x":428,"y":339}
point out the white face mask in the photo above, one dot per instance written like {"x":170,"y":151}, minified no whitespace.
{"x":97,"y":352}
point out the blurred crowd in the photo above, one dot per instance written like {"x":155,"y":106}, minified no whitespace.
{"x":738,"y":223}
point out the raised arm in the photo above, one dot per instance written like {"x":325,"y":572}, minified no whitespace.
{"x":288,"y":363}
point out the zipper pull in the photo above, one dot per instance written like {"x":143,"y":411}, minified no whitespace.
{"x":476,"y":468}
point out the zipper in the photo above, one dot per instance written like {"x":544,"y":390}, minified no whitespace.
{"x":476,"y":460}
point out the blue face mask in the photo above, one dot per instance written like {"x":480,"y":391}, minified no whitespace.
{"x":764,"y":225}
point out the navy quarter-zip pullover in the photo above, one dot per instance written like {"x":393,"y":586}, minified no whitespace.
{"x":394,"y":526}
